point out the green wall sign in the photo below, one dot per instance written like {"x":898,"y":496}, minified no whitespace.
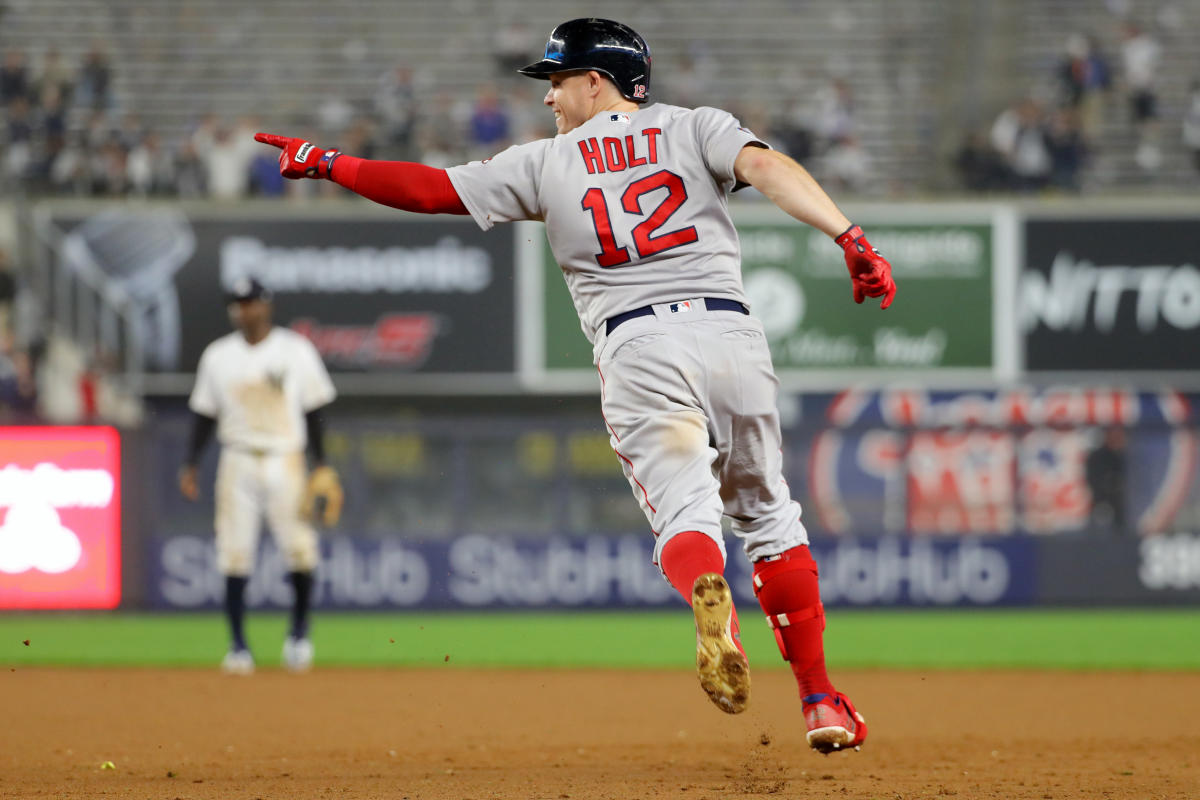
{"x":797,"y":283}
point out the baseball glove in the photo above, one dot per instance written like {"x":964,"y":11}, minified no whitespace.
{"x":323,"y":496}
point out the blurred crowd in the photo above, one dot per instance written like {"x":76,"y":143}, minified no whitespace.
{"x":1053,"y":137}
{"x":45,"y":377}
{"x":66,"y":131}
{"x":19,"y":349}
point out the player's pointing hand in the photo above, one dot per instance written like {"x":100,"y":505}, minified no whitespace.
{"x":870,"y":272}
{"x":299,"y":159}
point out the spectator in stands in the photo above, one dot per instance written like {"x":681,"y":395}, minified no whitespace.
{"x":847,"y":166}
{"x":149,"y":167}
{"x":524,"y":119}
{"x":52,"y":113}
{"x":69,"y":169}
{"x":19,"y":150}
{"x":489,"y":125}
{"x":395,"y":105}
{"x":14,"y":77}
{"x":334,"y":115}
{"x":131,"y":131}
{"x":433,"y":149}
{"x":440,"y":132}
{"x":1140,"y":57}
{"x":1068,"y":150}
{"x":54,"y":75}
{"x":1019,"y":135}
{"x":18,"y":390}
{"x":265,"y":180}
{"x":191,"y":174}
{"x":227,"y":163}
{"x":832,"y":112}
{"x":1085,"y":77}
{"x":8,"y":292}
{"x":792,"y":130}
{"x":1191,"y":124}
{"x":38,"y":177}
{"x":109,"y":175}
{"x":93,"y":87}
{"x":980,"y":167}
{"x":97,"y":130}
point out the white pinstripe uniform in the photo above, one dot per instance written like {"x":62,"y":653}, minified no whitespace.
{"x":259,"y":394}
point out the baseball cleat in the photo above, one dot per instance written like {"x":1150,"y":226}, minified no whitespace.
{"x":297,"y":654}
{"x":720,"y":664}
{"x":833,"y":723}
{"x":238,"y":662}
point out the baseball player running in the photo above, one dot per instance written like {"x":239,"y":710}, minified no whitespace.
{"x":634,"y":198}
{"x":262,"y":388}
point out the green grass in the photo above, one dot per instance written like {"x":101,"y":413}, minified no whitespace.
{"x":1058,"y":639}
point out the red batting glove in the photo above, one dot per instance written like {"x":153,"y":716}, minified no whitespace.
{"x":300,"y":159}
{"x":870,"y":273}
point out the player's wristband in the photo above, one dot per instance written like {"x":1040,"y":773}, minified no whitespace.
{"x":325,"y":165}
{"x":850,"y":236}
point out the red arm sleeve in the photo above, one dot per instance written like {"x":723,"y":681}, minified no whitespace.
{"x":399,"y":184}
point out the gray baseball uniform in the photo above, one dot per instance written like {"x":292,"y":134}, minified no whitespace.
{"x":635,"y":206}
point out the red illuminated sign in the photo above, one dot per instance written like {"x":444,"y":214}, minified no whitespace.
{"x":60,"y":517}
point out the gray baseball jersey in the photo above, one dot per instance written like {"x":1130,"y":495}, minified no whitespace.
{"x":634,"y":204}
{"x":636,"y":214}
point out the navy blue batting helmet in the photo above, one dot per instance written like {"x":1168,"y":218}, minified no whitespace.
{"x":609,"y":47}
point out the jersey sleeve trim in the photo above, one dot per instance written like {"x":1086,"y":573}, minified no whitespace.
{"x":482,"y":219}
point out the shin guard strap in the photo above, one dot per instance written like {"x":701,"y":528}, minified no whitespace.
{"x":778,"y":622}
{"x":795,"y":617}
{"x":766,"y":570}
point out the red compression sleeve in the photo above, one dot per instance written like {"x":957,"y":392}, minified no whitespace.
{"x":399,"y":184}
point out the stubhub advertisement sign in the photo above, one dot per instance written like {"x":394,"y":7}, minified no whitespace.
{"x":60,"y":517}
{"x":477,"y":572}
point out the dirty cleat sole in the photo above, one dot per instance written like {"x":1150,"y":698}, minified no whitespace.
{"x":847,"y":729}
{"x":829,"y":740}
{"x":722,"y":669}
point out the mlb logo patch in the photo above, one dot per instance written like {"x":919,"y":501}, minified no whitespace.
{"x":681,"y":308}
{"x":622,"y":117}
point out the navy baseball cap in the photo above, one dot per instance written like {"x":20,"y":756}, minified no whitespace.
{"x":247,"y":288}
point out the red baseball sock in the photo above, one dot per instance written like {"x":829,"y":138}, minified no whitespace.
{"x":788,"y":592}
{"x":689,"y":555}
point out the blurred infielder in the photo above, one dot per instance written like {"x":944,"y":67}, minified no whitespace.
{"x":262,"y":388}
{"x":634,"y":197}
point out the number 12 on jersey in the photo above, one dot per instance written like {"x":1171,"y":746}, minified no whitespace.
{"x":645,"y":239}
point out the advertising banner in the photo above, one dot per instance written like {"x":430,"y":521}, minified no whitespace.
{"x":60,"y":518}
{"x":1042,"y":461}
{"x":375,"y":295}
{"x":797,"y":284}
{"x":1111,"y":294}
{"x":613,"y":572}
{"x":1099,"y":568}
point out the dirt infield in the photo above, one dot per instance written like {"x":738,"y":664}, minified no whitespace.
{"x":580,"y":735}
